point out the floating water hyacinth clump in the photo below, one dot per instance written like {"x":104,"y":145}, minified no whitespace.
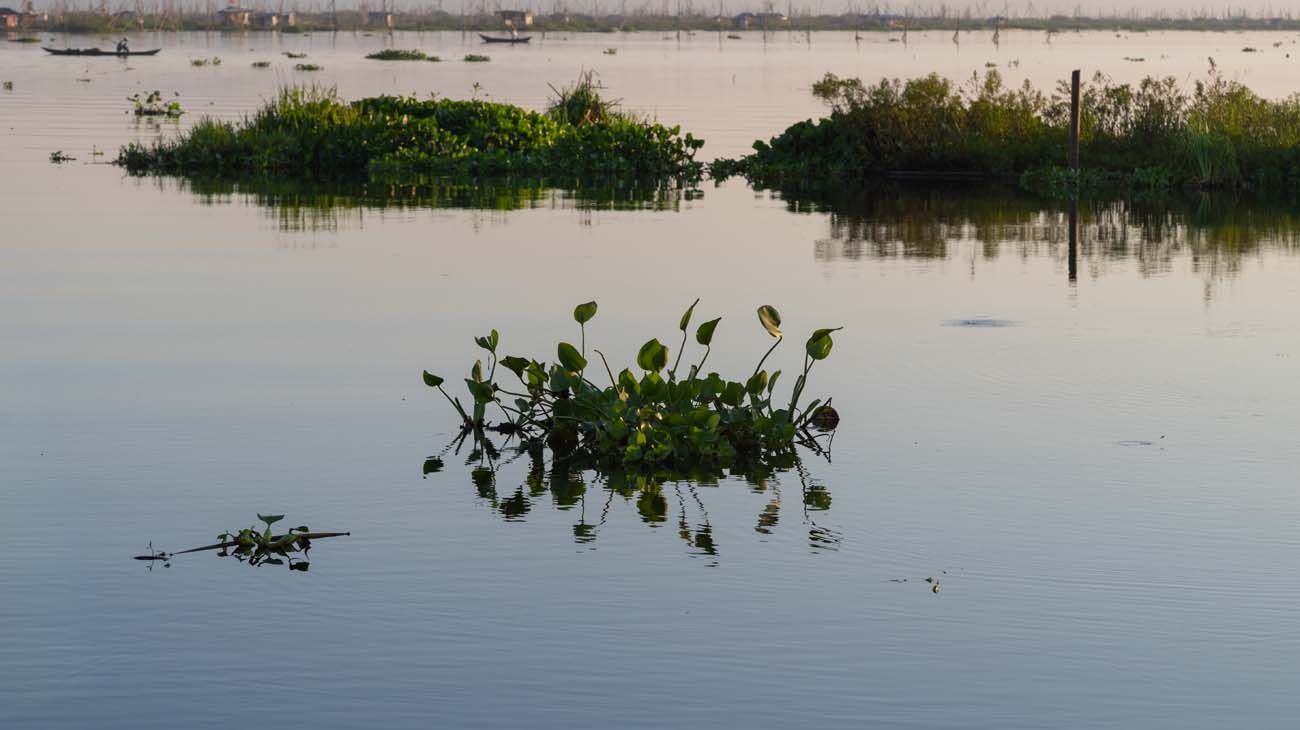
{"x":655,"y":414}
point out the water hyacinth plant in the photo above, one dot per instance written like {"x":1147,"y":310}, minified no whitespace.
{"x":655,"y":416}
{"x":397,"y":54}
{"x":152,"y":105}
{"x":257,"y":546}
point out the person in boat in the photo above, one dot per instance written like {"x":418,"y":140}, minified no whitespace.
{"x":122,"y":46}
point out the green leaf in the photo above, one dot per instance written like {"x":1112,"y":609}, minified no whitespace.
{"x":482,"y":392}
{"x":733,"y":394}
{"x":584,"y":312}
{"x":476,"y":372}
{"x":489,"y":343}
{"x":757,"y":382}
{"x":686,"y":317}
{"x":771,"y":382}
{"x":270,"y":519}
{"x":570,"y":358}
{"x":515,"y":365}
{"x":653,"y":356}
{"x":770,"y":319}
{"x":432,"y":380}
{"x":819,"y":344}
{"x":704,"y":334}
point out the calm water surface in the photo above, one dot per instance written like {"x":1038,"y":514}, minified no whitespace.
{"x":1105,"y":486}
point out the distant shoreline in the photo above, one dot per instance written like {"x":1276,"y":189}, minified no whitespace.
{"x":353,"y":21}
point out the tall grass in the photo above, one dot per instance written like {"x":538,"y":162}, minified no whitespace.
{"x":1219,"y":134}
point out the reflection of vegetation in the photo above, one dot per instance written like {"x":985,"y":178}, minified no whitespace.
{"x":656,"y":420}
{"x":256,"y":546}
{"x":654,"y":493}
{"x":915,"y":221}
{"x":303,"y":205}
{"x":309,"y":132}
{"x":1153,"y":134}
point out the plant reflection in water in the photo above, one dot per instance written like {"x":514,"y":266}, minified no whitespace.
{"x":654,"y":493}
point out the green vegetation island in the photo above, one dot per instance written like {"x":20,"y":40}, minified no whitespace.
{"x":309,"y":132}
{"x":1152,"y":135}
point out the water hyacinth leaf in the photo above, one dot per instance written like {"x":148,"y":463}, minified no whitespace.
{"x":771,"y":382}
{"x":570,"y":358}
{"x":686,"y":316}
{"x":432,"y":380}
{"x":757,"y":382}
{"x":820,"y":343}
{"x":482,"y":392}
{"x":302,"y":565}
{"x":270,"y":519}
{"x":515,"y":365}
{"x":476,"y":372}
{"x":583,"y":313}
{"x":770,"y":319}
{"x":704,"y":334}
{"x":653,"y":356}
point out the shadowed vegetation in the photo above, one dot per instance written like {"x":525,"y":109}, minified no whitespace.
{"x":310,"y":132}
{"x":1152,"y":135}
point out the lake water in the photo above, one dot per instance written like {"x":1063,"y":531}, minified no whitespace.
{"x":1101,"y":473}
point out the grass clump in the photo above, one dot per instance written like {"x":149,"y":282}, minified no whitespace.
{"x":1219,"y":135}
{"x":652,"y":416}
{"x":397,"y":54}
{"x":476,"y":58}
{"x":153,"y":105}
{"x":310,"y":132}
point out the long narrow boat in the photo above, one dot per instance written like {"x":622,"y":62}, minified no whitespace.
{"x":97,"y":52}
{"x":509,"y":39}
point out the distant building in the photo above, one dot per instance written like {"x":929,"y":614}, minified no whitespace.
{"x":516,"y":18}
{"x":233,"y":16}
{"x":274,"y":20}
{"x":10,"y":18}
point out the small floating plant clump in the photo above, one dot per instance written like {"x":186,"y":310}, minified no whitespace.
{"x":308,"y":67}
{"x":476,"y":58}
{"x":655,"y":416}
{"x":256,"y":546}
{"x":214,"y":61}
{"x":152,"y":105}
{"x":261,"y":64}
{"x":397,"y":54}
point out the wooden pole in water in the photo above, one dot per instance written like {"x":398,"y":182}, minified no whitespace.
{"x":1074,"y":119}
{"x":1074,"y":239}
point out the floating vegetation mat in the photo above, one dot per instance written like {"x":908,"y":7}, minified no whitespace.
{"x":1151,"y":135}
{"x":582,"y":140}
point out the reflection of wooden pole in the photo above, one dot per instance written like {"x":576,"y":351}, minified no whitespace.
{"x":1074,"y":119}
{"x":1074,"y":240}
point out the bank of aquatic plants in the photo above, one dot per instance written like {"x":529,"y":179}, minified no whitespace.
{"x":398,"y":54}
{"x":665,"y":411}
{"x":311,"y":132}
{"x":1154,"y":134}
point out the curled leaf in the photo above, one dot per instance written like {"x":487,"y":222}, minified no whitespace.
{"x":686,"y":316}
{"x":432,"y":380}
{"x":653,"y":356}
{"x":770,"y":319}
